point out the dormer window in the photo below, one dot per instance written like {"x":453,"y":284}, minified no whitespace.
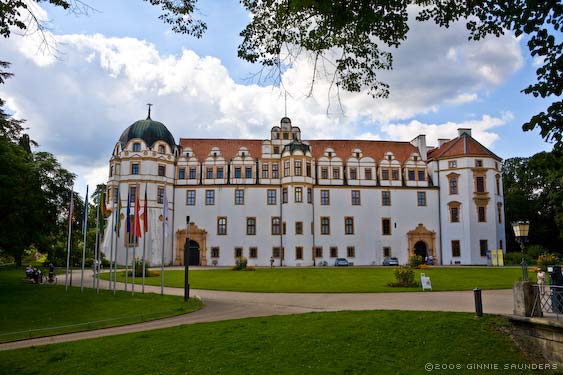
{"x":329,"y":154}
{"x":415,"y":158}
{"x":357,"y":155}
{"x":136,"y":147}
{"x":214,"y":154}
{"x":243,"y":154}
{"x":389,"y":157}
{"x":187,"y":154}
{"x":161,"y":149}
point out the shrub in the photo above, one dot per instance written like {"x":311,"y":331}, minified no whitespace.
{"x":515,"y":258}
{"x":534,"y":251}
{"x":404,"y":277}
{"x":415,"y":261}
{"x":240,"y":264}
{"x":546,"y":260}
{"x":139,"y":267}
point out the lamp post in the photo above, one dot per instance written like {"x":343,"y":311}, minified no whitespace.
{"x":187,"y":261}
{"x":521,"y":229}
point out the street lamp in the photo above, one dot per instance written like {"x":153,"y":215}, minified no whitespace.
{"x":521,"y":229}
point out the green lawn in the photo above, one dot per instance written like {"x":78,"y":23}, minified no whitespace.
{"x":336,"y":280}
{"x":26,"y":306}
{"x":366,"y":342}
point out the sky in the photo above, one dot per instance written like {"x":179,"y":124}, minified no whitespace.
{"x":104,"y":67}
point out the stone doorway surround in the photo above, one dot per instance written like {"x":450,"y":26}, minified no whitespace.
{"x":420,"y":233}
{"x":196,"y":234}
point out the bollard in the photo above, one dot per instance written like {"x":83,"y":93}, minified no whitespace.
{"x":478,"y":302}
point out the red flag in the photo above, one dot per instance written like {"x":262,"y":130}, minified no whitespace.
{"x":146,"y":213}
{"x":137,"y":222}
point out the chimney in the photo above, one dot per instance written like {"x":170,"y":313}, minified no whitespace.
{"x":420,"y":143}
{"x":462,"y":131}
{"x":441,"y":141}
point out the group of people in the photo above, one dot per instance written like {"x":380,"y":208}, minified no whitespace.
{"x":36,"y":275}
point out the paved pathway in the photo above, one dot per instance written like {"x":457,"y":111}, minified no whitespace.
{"x":221,"y":305}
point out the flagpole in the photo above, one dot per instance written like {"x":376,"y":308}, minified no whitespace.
{"x":96,"y":247}
{"x":117,"y":229}
{"x":113,"y":229}
{"x":70,"y":214}
{"x":136,"y":231}
{"x":164,"y":223}
{"x":145,"y":226}
{"x":84,"y":230}
{"x":128,"y":218}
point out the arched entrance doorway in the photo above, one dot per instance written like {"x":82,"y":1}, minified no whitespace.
{"x":192,"y":255}
{"x":197,"y":235}
{"x":420,"y":249}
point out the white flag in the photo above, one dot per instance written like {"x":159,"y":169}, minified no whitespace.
{"x":165,"y":213}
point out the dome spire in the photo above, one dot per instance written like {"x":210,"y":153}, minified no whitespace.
{"x":149,"y":116}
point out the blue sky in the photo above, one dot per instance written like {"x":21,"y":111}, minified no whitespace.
{"x":112,"y":62}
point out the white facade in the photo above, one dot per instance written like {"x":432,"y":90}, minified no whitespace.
{"x":306,"y":202}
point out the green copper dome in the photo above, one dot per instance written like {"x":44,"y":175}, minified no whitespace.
{"x":149,"y":131}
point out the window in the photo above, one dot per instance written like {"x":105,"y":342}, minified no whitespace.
{"x":325,"y":225}
{"x":284,"y":195}
{"x":239,"y":196}
{"x":132,"y":193}
{"x":222,"y":226}
{"x":220,"y":172}
{"x":181,"y":173}
{"x":482,"y":214}
{"x":285,"y":135}
{"x":499,"y":212}
{"x":284,"y":228}
{"x":386,"y":227}
{"x":452,"y":164}
{"x":214,"y":252}
{"x":367,"y":173}
{"x":350,"y":251}
{"x":454,"y":214}
{"x":456,"y":248}
{"x":248,"y":173}
{"x":276,"y":226}
{"x":190,"y":198}
{"x":355,"y":198}
{"x":453,"y":185}
{"x":160,"y":194}
{"x":299,"y":252}
{"x":275,"y":172}
{"x":325,"y":197}
{"x":386,"y":251}
{"x":209,"y":197}
{"x":135,"y":168}
{"x":324,"y":173}
{"x":162,"y":170}
{"x":161,"y":149}
{"x":265,"y":170}
{"x":353,"y":174}
{"x":192,"y":174}
{"x":385,"y":174}
{"x":271,"y":197}
{"x":277,"y":148}
{"x":250,"y":226}
{"x":276,"y":252}
{"x":209,"y":172}
{"x":411,"y":175}
{"x":395,"y":174}
{"x":480,"y":184}
{"x":421,"y":198}
{"x":237,"y":172}
{"x":111,"y":170}
{"x":136,"y":147}
{"x":115,"y":194}
{"x":478,"y":163}
{"x":286,"y":167}
{"x":298,"y":168}
{"x":483,"y":246}
{"x":238,"y":252}
{"x":308,"y":169}
{"x":298,"y":195}
{"x":498,"y":184}
{"x":386,"y":198}
{"x":333,"y":252}
{"x":318,"y":250}
{"x":253,"y":252}
{"x":348,"y":225}
{"x":309,"y":195}
{"x":298,"y":227}
{"x":421,"y":175}
{"x":500,"y":244}
{"x":335,"y":173}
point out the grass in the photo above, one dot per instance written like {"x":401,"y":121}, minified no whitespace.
{"x":26,"y":306}
{"x":336,"y":280}
{"x":366,"y":342}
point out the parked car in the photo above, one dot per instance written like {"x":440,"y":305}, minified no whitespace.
{"x":390,"y":261}
{"x":341,"y":262}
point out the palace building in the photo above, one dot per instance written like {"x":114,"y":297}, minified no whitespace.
{"x":305,"y":202}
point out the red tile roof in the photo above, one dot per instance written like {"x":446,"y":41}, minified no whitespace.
{"x":463,"y":145}
{"x":342,"y":148}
